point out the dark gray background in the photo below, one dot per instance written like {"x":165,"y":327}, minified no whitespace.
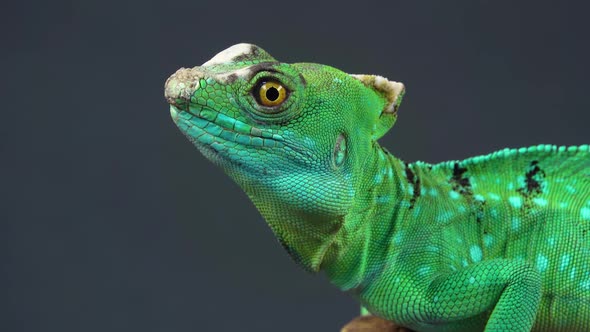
{"x":112,"y":221}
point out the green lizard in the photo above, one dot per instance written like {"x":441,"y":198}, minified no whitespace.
{"x":496,"y":243}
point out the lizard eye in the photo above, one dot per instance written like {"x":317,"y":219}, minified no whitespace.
{"x":270,"y":93}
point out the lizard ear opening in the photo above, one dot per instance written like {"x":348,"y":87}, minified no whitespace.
{"x":393,"y":93}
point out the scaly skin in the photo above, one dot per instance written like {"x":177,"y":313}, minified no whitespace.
{"x":494,"y":243}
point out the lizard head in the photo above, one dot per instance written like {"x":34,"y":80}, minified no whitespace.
{"x":294,"y":136}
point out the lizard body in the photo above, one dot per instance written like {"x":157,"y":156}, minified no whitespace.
{"x":496,"y":242}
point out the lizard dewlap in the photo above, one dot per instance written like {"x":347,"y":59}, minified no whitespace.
{"x":497,"y":243}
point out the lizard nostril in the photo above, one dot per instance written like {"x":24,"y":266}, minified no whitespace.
{"x":181,"y":85}
{"x":173,"y":88}
{"x":177,"y":93}
{"x":179,"y":103}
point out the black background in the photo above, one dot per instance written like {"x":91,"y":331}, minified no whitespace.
{"x":112,"y":221}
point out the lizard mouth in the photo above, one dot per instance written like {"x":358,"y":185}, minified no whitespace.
{"x":218,"y":135}
{"x":204,"y":126}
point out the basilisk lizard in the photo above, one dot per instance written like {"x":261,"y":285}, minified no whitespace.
{"x":498,"y":242}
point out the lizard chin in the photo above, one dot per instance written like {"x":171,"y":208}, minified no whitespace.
{"x":173,"y":113}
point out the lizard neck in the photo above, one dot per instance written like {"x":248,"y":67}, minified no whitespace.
{"x":320,"y":217}
{"x":305,"y":236}
{"x":355,"y":254}
{"x":305,"y":210}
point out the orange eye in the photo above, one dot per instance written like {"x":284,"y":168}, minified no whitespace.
{"x":271,"y":93}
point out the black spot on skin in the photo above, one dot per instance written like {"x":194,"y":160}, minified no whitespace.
{"x":232,"y":78}
{"x":414,"y":180}
{"x":479,"y":211}
{"x":251,"y":54}
{"x":533,"y":179}
{"x":303,"y":81}
{"x":533,"y":183}
{"x":460,"y":182}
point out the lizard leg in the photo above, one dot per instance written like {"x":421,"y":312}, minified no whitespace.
{"x":509,"y":289}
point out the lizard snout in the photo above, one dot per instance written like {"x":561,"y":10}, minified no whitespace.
{"x":181,"y":85}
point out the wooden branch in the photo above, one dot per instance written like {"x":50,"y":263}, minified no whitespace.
{"x":372,"y":324}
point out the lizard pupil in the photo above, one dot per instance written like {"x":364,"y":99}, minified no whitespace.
{"x":272,"y":94}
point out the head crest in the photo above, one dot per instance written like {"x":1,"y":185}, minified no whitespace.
{"x":391,"y":90}
{"x":239,"y":53}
